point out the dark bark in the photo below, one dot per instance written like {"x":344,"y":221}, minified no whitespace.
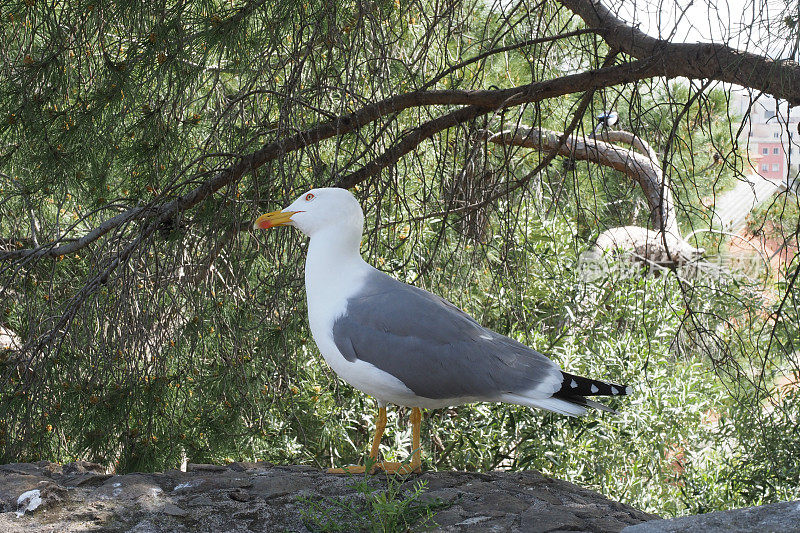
{"x":780,"y":79}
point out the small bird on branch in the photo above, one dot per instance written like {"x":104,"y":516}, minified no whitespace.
{"x":607,"y":119}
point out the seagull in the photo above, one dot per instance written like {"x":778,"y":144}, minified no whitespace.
{"x":405,"y":346}
{"x":607,"y":119}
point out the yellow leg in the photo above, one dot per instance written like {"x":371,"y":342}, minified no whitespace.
{"x":380,"y":426}
{"x":416,"y":450}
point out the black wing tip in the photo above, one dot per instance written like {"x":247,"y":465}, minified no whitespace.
{"x":574,"y":389}
{"x":572,"y":385}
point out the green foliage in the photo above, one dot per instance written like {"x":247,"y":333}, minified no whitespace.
{"x":395,"y":508}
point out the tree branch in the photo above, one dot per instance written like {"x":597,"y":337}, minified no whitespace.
{"x":780,"y":79}
{"x":616,"y":136}
{"x":482,"y":102}
{"x":645,"y":171}
{"x":662,"y":246}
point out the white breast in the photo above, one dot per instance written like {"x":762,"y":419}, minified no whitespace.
{"x":330,"y":281}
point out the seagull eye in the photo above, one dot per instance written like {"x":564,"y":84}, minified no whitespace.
{"x":309,"y":197}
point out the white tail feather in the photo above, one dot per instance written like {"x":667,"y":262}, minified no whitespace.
{"x":555,"y":405}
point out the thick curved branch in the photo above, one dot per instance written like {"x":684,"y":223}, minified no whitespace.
{"x":780,"y":79}
{"x":617,"y":136}
{"x":644,"y":170}
{"x":662,"y":245}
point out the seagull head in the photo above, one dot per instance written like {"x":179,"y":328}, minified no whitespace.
{"x":317,"y":210}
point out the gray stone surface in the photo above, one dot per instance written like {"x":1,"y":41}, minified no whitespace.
{"x":263,"y":497}
{"x":781,"y":517}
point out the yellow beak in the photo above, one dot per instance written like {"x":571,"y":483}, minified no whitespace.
{"x":274,"y":219}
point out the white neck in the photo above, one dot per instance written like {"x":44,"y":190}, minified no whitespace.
{"x":333,"y":265}
{"x":332,"y":248}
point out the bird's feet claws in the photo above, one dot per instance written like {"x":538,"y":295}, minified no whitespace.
{"x":397,"y":468}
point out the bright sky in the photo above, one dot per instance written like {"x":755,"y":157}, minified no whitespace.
{"x":755,"y":25}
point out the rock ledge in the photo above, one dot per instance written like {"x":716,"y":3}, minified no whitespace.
{"x":264,"y":497}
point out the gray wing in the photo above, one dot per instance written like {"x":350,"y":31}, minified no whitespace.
{"x":434,"y":348}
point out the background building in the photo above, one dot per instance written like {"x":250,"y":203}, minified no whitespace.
{"x":769,"y":134}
